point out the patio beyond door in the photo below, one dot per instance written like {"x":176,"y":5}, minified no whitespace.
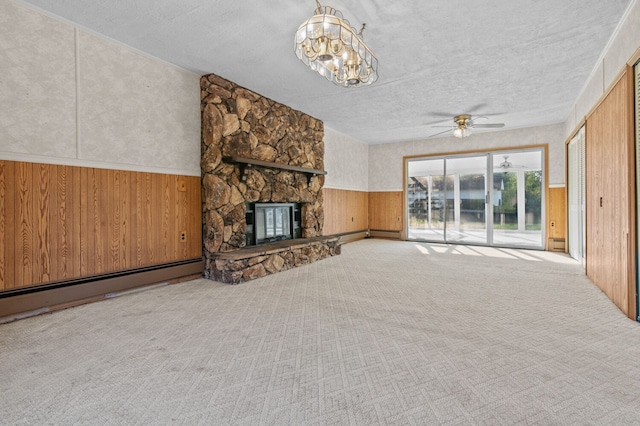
{"x":486,"y":199}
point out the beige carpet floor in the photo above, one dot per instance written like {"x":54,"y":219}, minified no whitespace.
{"x":387,"y":333}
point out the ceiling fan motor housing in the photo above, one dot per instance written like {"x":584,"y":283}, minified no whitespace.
{"x":462,"y":120}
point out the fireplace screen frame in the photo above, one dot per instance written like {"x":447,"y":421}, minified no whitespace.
{"x":280,"y":221}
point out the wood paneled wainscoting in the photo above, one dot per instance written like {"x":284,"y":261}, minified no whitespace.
{"x":345,"y":213}
{"x":557,"y":219}
{"x":62,"y":226}
{"x":385,"y":214}
{"x":610,"y":196}
{"x":355,"y":212}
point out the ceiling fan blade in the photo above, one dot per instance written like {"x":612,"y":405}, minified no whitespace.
{"x":450,"y":127}
{"x":440,"y":133}
{"x":476,"y":108}
{"x":441,"y":114}
{"x":487,"y":126}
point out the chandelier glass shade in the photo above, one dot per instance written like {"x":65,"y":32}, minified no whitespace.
{"x":329,"y":45}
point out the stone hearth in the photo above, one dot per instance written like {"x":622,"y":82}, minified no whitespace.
{"x":258,"y":261}
{"x":237,"y":122}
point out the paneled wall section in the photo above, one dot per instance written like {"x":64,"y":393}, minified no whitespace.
{"x":64,"y":222}
{"x":610,"y":199}
{"x":344,"y":211}
{"x":386,"y":211}
{"x":557,"y":219}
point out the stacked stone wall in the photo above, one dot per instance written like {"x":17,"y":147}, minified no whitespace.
{"x":239,"y":122}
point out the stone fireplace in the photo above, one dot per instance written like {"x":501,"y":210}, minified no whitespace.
{"x":256,"y":151}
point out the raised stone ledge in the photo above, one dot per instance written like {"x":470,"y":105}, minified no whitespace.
{"x":234,"y":267}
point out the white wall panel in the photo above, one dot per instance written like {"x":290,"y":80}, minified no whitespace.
{"x":71,"y":97}
{"x":134,"y":109}
{"x":623,"y":46}
{"x":385,"y":161}
{"x":37,"y":84}
{"x":591,"y":93}
{"x":346,"y":161}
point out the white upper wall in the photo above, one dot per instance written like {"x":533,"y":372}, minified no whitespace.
{"x":622,"y":46}
{"x":386,"y":160}
{"x":346,"y":161}
{"x":79,"y":99}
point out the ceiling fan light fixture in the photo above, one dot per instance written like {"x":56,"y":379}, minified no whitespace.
{"x":463,"y":130}
{"x":460,"y":133}
{"x":329,"y":45}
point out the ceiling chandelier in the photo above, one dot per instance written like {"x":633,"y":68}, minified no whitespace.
{"x":328,"y":44}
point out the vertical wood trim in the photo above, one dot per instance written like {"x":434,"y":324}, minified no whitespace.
{"x":151,"y":228}
{"x":44,"y":250}
{"x":73,"y":251}
{"x":6,"y":261}
{"x":24,"y":240}
{"x":632,"y":192}
{"x":115,"y":221}
{"x":2,"y":223}
{"x":139,"y":217}
{"x":62,"y":241}
{"x":171,"y":238}
{"x":84,"y":221}
{"x":196,"y":216}
{"x":101,"y":191}
{"x":126,"y":248}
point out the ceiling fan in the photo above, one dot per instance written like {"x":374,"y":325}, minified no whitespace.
{"x":464,"y":123}
{"x":506,"y":164}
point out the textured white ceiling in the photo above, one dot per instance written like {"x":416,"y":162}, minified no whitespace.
{"x":520,"y":62}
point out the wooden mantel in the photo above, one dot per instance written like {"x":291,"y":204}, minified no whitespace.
{"x":243,"y":162}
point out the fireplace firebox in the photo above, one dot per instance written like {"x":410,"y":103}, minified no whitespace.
{"x":270,"y":222}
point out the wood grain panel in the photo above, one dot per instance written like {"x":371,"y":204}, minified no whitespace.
{"x":44,"y":221}
{"x":68,"y":232}
{"x":7,"y":225}
{"x":610,"y":198}
{"x":557,"y":207}
{"x":386,"y":211}
{"x":3,"y":187}
{"x":344,"y":211}
{"x":64,"y":222}
{"x":24,"y":226}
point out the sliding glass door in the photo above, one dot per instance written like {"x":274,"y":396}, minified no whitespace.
{"x":517,"y":199}
{"x":487,"y":199}
{"x":466,"y":178}
{"x":426,"y":198}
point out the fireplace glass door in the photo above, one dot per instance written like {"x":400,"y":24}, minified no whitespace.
{"x":273,"y":223}
{"x":270,"y":222}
